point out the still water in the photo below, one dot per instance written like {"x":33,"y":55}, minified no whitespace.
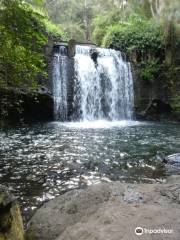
{"x":42,"y":161}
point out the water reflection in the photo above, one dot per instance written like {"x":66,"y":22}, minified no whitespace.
{"x":44,"y":161}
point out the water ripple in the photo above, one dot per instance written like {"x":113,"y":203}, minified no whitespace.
{"x":43,"y":161}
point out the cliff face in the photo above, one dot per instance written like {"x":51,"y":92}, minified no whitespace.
{"x":163,"y":87}
{"x":145,"y":92}
{"x":26,"y":104}
{"x":20,"y":106}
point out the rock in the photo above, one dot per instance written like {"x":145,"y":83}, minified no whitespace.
{"x":157,"y":106}
{"x":43,"y":90}
{"x":51,"y":220}
{"x":37,"y":107}
{"x":25,"y":106}
{"x":172,"y":164}
{"x":71,"y":48}
{"x":156,"y":110}
{"x":174,"y":179}
{"x":109,"y":211}
{"x":114,"y":222}
{"x":173,"y":159}
{"x":11,"y":224}
{"x":94,"y":55}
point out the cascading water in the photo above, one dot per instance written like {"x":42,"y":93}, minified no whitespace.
{"x":102,"y":85}
{"x":60,"y":62}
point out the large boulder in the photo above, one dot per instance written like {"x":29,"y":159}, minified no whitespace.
{"x":109,"y":211}
{"x":11,"y":224}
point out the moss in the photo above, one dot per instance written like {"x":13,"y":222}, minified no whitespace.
{"x":11,"y":224}
{"x":17,"y":223}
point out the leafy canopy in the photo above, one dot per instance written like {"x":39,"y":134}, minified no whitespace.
{"x":136,"y":35}
{"x":21,"y":43}
{"x":23,"y":34}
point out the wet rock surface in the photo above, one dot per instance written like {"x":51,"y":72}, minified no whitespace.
{"x":157,"y":110}
{"x":109,"y":211}
{"x":173,"y":159}
{"x":172,"y":163}
{"x":11,"y":225}
{"x":21,"y":105}
{"x":94,"y":55}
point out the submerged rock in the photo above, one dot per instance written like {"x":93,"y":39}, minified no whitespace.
{"x":109,"y":211}
{"x":173,"y":162}
{"x":173,"y":159}
{"x":11,"y":225}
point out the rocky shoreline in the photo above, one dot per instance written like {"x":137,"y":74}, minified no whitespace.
{"x":104,"y":211}
{"x":110,"y":211}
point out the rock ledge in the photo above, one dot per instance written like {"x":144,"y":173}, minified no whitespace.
{"x":109,"y":211}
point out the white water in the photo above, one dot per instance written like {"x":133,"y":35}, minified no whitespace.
{"x":103,"y":90}
{"x":60,"y":62}
{"x":102,"y":124}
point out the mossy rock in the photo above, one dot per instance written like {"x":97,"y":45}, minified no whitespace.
{"x":11,"y":224}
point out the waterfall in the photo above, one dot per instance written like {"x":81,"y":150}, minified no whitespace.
{"x":60,"y":62}
{"x":102,"y":85}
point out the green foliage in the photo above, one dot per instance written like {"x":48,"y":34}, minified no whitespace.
{"x":40,"y":14}
{"x":171,"y":73}
{"x":71,"y":16}
{"x":91,"y":18}
{"x":37,"y":3}
{"x":24,"y":33}
{"x":77,"y":18}
{"x":137,"y":35}
{"x":21,"y":43}
{"x":102,"y":22}
{"x":150,"y":70}
{"x":175,"y":103}
{"x":54,"y":29}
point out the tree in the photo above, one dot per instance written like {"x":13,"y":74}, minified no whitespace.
{"x":21,"y":41}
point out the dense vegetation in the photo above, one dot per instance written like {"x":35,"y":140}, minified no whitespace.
{"x":138,"y":36}
{"x":125,"y":24}
{"x":24,"y":33}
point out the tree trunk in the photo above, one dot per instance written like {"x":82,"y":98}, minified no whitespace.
{"x":86,"y":21}
{"x":151,"y":7}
